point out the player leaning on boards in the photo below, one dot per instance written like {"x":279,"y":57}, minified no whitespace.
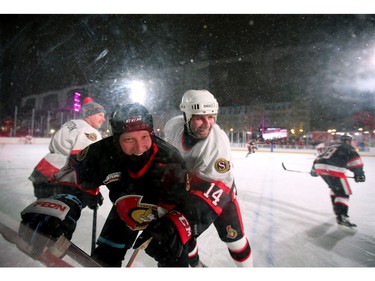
{"x":331,"y":166}
{"x":206,"y":150}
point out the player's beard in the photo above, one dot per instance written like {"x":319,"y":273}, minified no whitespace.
{"x":202,"y":133}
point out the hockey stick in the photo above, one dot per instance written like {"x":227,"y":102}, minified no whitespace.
{"x":132,"y":258}
{"x":282,"y":163}
{"x":136,"y":252}
{"x":304,"y":172}
{"x":93,"y":236}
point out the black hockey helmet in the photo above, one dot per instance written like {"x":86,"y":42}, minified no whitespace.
{"x":346,"y":137}
{"x":130,"y":117}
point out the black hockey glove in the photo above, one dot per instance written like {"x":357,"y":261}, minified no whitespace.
{"x":168,"y":240}
{"x":313,"y":172}
{"x":93,"y":201}
{"x":360,"y":178}
{"x":49,"y":218}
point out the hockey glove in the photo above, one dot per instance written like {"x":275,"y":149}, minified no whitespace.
{"x":93,"y":201}
{"x":168,"y":240}
{"x":360,"y":178}
{"x":49,"y":218}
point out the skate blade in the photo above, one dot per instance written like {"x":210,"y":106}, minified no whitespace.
{"x":352,"y":229}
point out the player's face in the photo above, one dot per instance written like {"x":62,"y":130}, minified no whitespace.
{"x":96,"y":120}
{"x":201,"y":125}
{"x":135,"y":143}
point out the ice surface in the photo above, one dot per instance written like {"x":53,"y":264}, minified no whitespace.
{"x":288,"y":216}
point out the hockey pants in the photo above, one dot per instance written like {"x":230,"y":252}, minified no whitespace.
{"x":340,"y":192}
{"x":114,"y":241}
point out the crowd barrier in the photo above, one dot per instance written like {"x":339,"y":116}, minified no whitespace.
{"x":367,"y":151}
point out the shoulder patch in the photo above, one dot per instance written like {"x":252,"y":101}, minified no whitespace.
{"x":91,"y":136}
{"x":112,"y":177}
{"x":82,"y":154}
{"x":222,"y":165}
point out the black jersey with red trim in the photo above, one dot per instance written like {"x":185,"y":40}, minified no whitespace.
{"x":340,"y":155}
{"x":158,"y":177}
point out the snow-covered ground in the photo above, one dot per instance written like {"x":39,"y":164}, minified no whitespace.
{"x":287,"y":215}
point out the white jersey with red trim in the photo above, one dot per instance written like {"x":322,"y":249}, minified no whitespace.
{"x":209,"y":159}
{"x":71,"y":138}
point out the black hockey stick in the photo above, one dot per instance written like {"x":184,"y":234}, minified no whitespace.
{"x":93,"y":236}
{"x":282,"y":163}
{"x":304,"y":172}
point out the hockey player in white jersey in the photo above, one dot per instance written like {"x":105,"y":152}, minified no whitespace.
{"x":206,"y":150}
{"x":71,"y":138}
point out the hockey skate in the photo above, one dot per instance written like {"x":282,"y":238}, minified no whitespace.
{"x":344,"y":223}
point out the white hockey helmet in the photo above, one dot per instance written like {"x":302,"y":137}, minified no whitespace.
{"x":198,"y":102}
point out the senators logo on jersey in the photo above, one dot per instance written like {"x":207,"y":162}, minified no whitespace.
{"x":137,"y":215}
{"x":222,"y":165}
{"x":231,"y":232}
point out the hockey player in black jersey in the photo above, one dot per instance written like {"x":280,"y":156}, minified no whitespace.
{"x":146,"y":178}
{"x":146,"y":181}
{"x":331,"y":166}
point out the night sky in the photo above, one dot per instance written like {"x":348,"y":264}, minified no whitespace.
{"x":51,"y":52}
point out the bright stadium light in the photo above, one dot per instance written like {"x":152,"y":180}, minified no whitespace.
{"x":137,"y":91}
